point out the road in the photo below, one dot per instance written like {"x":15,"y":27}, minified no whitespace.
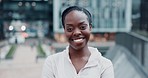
{"x":23,"y":65}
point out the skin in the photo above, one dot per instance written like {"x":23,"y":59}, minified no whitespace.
{"x":77,"y":31}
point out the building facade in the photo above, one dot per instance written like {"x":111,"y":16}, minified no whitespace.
{"x":108,"y":15}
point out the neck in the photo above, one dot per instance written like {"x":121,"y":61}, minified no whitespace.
{"x":84,"y":52}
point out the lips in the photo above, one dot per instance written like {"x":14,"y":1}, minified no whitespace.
{"x":77,"y":40}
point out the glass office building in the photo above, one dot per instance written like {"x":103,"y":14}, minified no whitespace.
{"x":108,"y":15}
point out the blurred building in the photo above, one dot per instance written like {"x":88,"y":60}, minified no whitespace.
{"x":1,"y":19}
{"x":43,"y":17}
{"x":144,"y":16}
{"x":35,"y":15}
{"x":108,"y":15}
{"x":122,"y":21}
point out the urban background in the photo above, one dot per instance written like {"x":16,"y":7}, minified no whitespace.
{"x":31,"y":30}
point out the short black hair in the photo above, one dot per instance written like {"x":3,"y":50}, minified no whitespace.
{"x":78,"y":8}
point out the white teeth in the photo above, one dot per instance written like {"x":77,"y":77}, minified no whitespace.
{"x":78,"y":40}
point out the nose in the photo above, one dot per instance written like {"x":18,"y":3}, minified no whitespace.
{"x":77,"y":32}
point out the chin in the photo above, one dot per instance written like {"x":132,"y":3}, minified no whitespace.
{"x":77,"y":44}
{"x":78,"y":47}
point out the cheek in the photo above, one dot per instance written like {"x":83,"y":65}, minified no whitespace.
{"x":67,"y":35}
{"x":87,"y":34}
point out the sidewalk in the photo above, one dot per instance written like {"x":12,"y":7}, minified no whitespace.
{"x":23,"y":65}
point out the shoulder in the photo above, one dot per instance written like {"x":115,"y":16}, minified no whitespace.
{"x":103,"y":60}
{"x":55,"y":56}
{"x":105,"y":63}
{"x":52,"y":59}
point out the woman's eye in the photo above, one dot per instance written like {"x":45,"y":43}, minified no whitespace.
{"x":69,"y":29}
{"x":82,"y":27}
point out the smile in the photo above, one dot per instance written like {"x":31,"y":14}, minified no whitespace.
{"x":78,"y":39}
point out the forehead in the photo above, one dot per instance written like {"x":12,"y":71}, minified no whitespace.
{"x":76,"y":12}
{"x":75,"y":15}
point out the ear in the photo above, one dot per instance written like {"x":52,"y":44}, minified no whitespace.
{"x":64,"y":31}
{"x":90,"y":27}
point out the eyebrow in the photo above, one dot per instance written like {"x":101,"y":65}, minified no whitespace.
{"x":83,"y":22}
{"x":68,"y":24}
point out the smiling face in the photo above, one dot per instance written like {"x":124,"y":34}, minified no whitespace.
{"x":77,"y":29}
